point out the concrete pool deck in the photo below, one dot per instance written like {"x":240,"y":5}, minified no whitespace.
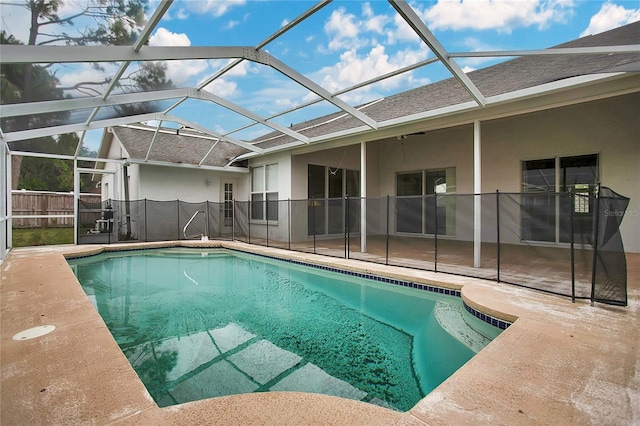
{"x":559,"y":363}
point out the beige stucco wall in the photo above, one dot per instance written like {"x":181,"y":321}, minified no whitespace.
{"x":278,"y":232}
{"x":608,"y":127}
{"x":191,"y":185}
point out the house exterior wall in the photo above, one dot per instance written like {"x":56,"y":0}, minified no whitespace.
{"x":111,"y":184}
{"x":277,"y":230}
{"x":161,"y":183}
{"x":608,"y":127}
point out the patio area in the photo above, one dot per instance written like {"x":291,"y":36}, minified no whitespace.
{"x":559,"y":363}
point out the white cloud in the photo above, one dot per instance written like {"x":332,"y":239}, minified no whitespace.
{"x":231,"y":25}
{"x":610,"y":16}
{"x":353,"y":69}
{"x":223,"y":88}
{"x":342,"y":29}
{"x":401,"y":31}
{"x":164,"y":37}
{"x":182,"y":14}
{"x":180,"y":72}
{"x":474,"y":44}
{"x":215,"y":7}
{"x":372,"y":22}
{"x":503,"y":16}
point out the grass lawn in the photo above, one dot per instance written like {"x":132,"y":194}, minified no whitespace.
{"x":42,"y":236}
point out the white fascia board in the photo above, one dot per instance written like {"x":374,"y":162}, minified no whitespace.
{"x":593,"y":50}
{"x":204,"y":95}
{"x":187,"y":166}
{"x":26,"y":54}
{"x":553,"y":87}
{"x":29,"y":108}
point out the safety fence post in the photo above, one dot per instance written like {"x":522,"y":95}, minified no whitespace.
{"x":346,"y":228}
{"x":572,"y":206}
{"x":146,"y":224}
{"x":498,"y":234}
{"x":595,"y":244}
{"x":313,"y":219}
{"x":289,"y":222}
{"x":266,"y":216}
{"x":435,"y":233}
{"x":386,"y":259}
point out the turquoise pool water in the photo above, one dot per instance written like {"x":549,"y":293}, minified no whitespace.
{"x":197,"y":324}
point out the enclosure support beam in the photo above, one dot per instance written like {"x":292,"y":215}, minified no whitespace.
{"x":5,"y":190}
{"x":76,"y":198}
{"x":363,"y":197}
{"x":477,"y":199}
{"x":9,"y":206}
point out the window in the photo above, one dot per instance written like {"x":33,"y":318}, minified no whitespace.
{"x":228,"y":204}
{"x":547,"y":216}
{"x":328,"y":187}
{"x":422,"y":205}
{"x":264,"y":192}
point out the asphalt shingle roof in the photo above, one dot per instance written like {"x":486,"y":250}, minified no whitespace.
{"x":505,"y":77}
{"x":183,"y":147}
{"x":509,"y":76}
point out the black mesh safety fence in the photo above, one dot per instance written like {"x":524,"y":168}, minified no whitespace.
{"x":373,"y":244}
{"x":541,"y":245}
{"x":562,"y":243}
{"x":408,"y":242}
{"x":609,"y":279}
{"x":241,"y":221}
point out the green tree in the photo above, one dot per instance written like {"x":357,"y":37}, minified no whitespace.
{"x":113,"y":22}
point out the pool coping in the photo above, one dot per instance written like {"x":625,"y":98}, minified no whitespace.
{"x":554,"y":344}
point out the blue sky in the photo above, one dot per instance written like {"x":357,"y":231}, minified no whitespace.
{"x":345,"y":43}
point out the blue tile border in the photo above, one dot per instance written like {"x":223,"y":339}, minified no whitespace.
{"x":496,"y":322}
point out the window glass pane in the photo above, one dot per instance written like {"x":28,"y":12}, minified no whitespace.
{"x":578,"y":175}
{"x":316,"y":181}
{"x":538,"y":211}
{"x":335,"y":183}
{"x":436,"y":182}
{"x":353,"y":183}
{"x":575,"y":172}
{"x":257,"y":206}
{"x":409,"y":210}
{"x":257,"y":179}
{"x":539,"y":175}
{"x":272,"y":206}
{"x":272,"y":177}
{"x":409,"y":184}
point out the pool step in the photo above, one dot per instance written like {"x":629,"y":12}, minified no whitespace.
{"x":451,"y":319}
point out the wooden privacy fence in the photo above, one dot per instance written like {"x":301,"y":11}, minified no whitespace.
{"x":42,"y":203}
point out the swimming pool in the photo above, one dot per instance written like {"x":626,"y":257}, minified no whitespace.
{"x":198,"y":323}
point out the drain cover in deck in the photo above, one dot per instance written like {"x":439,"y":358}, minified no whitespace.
{"x":34,"y":332}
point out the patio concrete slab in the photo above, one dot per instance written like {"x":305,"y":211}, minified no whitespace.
{"x":559,"y":363}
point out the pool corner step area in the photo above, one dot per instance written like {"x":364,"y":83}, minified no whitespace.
{"x":451,"y":319}
{"x":232,"y":360}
